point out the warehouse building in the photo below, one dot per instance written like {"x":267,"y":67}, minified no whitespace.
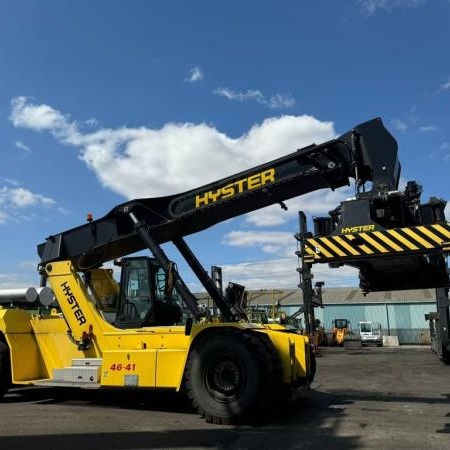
{"x":400,"y":313}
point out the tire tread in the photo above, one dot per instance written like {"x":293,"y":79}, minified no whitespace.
{"x":269,"y":366}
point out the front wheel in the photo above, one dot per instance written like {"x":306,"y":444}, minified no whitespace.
{"x":231,"y":377}
{"x":5,"y":369}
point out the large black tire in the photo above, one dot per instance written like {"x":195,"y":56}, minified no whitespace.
{"x":233,"y":376}
{"x":5,"y":369}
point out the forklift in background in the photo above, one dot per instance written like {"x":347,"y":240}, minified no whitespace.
{"x":339,"y":329}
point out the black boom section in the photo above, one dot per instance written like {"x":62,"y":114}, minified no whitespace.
{"x":366,"y":153}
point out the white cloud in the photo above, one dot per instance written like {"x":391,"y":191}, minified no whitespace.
{"x":277,"y":243}
{"x":30,"y":265}
{"x":143,"y":162}
{"x":279,"y":136}
{"x":22,"y":198}
{"x":65,"y":211}
{"x":399,"y":125}
{"x":15,"y":204}
{"x":239,"y":96}
{"x":91,"y":122}
{"x":281,"y":273}
{"x":443,"y":87}
{"x":22,"y":146}
{"x":428,"y":128}
{"x":338,"y":277}
{"x":447,"y":211}
{"x":195,"y":74}
{"x":250,"y":238}
{"x":3,"y":217}
{"x":275,"y":101}
{"x":17,"y":280}
{"x":316,"y":203}
{"x":444,"y":149}
{"x":37,"y":117}
{"x":370,"y":7}
{"x":278,"y":273}
{"x":11,"y":181}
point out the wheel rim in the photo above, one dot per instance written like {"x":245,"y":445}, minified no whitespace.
{"x":225,"y":377}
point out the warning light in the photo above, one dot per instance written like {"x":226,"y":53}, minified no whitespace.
{"x":89,"y":217}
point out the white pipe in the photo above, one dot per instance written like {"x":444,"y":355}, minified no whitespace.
{"x":10,"y":295}
{"x":43,"y":294}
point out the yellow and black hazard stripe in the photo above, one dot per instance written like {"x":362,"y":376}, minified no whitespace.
{"x":406,"y":240}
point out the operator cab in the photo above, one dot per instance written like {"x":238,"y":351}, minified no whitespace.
{"x":341,"y":324}
{"x":146,"y":296}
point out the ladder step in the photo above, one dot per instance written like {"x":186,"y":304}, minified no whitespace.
{"x":94,"y":362}
{"x":77,"y":374}
{"x":60,"y":383}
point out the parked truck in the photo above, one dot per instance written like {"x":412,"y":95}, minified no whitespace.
{"x":370,"y":333}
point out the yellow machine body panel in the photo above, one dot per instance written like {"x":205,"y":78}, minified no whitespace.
{"x":340,"y":334}
{"x":170,"y":367}
{"x":56,"y":347}
{"x":38,"y":344}
{"x":26,"y":362}
{"x":131,"y":368}
{"x":79,"y":310}
{"x":293,"y":351}
{"x":163,"y":352}
{"x":155,"y":356}
{"x":148,"y":357}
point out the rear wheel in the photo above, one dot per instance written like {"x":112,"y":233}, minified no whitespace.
{"x":231,"y":377}
{"x":5,"y":369}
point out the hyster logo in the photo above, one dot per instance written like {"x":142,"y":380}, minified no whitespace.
{"x":357,"y":229}
{"x":72,"y":301}
{"x":246,"y":184}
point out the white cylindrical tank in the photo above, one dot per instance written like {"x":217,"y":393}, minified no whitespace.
{"x":43,"y":294}
{"x":31,"y":294}
{"x":10,"y":295}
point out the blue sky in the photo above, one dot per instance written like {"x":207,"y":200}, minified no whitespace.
{"x":103,"y":101}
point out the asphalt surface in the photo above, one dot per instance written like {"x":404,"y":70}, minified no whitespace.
{"x":371,"y":398}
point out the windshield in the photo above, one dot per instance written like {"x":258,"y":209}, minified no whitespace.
{"x":365,"y":327}
{"x":340,"y":323}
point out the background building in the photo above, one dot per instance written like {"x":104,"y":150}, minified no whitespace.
{"x":400,"y":313}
